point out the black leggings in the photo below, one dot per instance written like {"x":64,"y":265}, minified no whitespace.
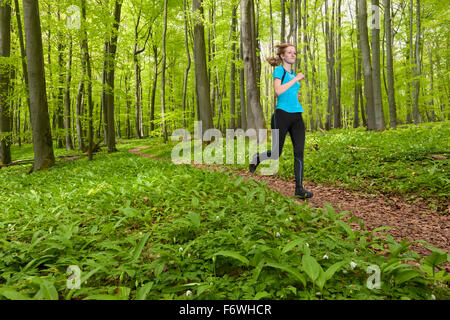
{"x":287,"y":122}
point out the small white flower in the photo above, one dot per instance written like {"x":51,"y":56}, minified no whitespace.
{"x":181,"y":249}
{"x":433,"y":297}
{"x":325,"y":256}
{"x":9,"y":225}
{"x":217,"y":217}
{"x":307,"y":244}
{"x":277,"y":234}
{"x":189,"y":255}
{"x":290,"y":218}
{"x":188,"y":293}
{"x":273,"y":200}
{"x":353,"y":265}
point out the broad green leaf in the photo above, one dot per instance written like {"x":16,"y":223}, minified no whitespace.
{"x":49,"y":291}
{"x":292,"y":244}
{"x":261,"y":295}
{"x":137,"y":252}
{"x":289,"y":270}
{"x":333,"y":269}
{"x":435,"y":259}
{"x":195,"y":218}
{"x":311,"y":267}
{"x":12,"y":294}
{"x":232,"y":254}
{"x":406,"y":275}
{"x":346,"y":228}
{"x":195,"y":202}
{"x":143,"y":291}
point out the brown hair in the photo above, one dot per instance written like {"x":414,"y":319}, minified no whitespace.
{"x":281,"y":48}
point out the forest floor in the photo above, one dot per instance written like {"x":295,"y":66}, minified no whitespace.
{"x":413,"y":222}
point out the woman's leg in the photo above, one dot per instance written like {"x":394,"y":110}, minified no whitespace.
{"x":280,"y":122}
{"x":297,"y":133}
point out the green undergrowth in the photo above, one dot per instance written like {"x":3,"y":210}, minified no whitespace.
{"x":135,"y":228}
{"x":396,"y":163}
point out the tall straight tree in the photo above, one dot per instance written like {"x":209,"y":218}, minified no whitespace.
{"x":330,"y":54}
{"x":188,"y":67}
{"x":201,"y":73}
{"x":22,"y":51}
{"x":5,"y":112}
{"x":163,"y":75}
{"x":417,"y":70}
{"x":67,"y":120}
{"x":109,"y":79}
{"x":390,"y":64}
{"x":234,"y":57}
{"x":248,"y":35}
{"x":87,"y":62}
{"x":44,"y":157}
{"x":367,"y":64}
{"x":376,"y":69}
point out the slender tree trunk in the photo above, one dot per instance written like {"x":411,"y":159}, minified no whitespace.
{"x":233,"y":122}
{"x":5,"y":75}
{"x":249,"y":54}
{"x":417,"y":67}
{"x":367,"y":65}
{"x":87,"y":62}
{"x":376,"y":69}
{"x":22,"y":52}
{"x":104,"y":88}
{"x":337,"y":110}
{"x":188,"y":67}
{"x":243,"y":104}
{"x":79,"y":107}
{"x":431,"y":103}
{"x":201,"y":73}
{"x":390,"y":64}
{"x":128,"y":106}
{"x":163,"y":75}
{"x":67,"y":121}
{"x":44,"y":157}
{"x":155,"y":83}
{"x":329,"y":48}
{"x":283,"y":22}
{"x":110,"y":76}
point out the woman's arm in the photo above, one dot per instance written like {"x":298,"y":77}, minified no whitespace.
{"x":280,"y":89}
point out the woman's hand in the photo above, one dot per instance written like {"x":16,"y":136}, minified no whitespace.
{"x":299,"y":76}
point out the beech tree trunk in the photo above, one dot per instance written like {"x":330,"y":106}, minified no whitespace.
{"x":5,"y":70}
{"x":202,"y":87}
{"x":44,"y":157}
{"x":109,"y":77}
{"x":367,"y":65}
{"x":67,"y":118}
{"x":249,"y":53}
{"x":417,"y":70}
{"x":390,"y":64}
{"x":163,"y":75}
{"x":376,"y":69}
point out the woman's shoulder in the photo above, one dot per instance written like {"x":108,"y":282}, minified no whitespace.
{"x":278,"y":71}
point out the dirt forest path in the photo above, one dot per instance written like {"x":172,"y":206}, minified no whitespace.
{"x":411,"y":221}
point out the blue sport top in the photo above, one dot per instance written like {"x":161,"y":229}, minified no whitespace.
{"x":288,"y":100}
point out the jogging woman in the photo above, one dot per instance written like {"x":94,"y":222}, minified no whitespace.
{"x":288,"y":115}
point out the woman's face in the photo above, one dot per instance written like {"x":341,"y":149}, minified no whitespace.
{"x":289,"y":55}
